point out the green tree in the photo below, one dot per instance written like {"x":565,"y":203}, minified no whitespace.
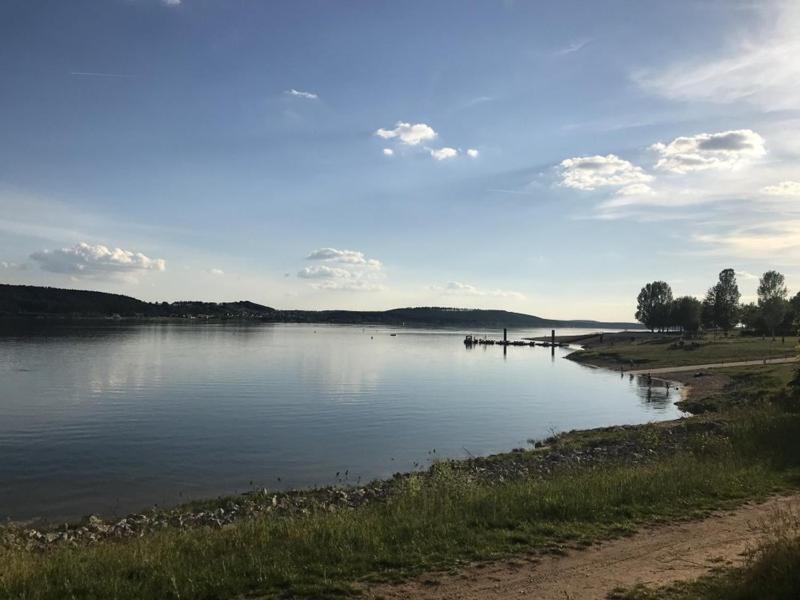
{"x":724,"y":300}
{"x":750,"y":316}
{"x":707,"y":317}
{"x":772,"y":294}
{"x":687,"y":313}
{"x":653,"y":305}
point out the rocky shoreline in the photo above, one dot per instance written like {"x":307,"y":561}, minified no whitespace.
{"x":594,"y":448}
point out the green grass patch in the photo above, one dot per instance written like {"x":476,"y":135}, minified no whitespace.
{"x":431,"y":523}
{"x":670,"y":351}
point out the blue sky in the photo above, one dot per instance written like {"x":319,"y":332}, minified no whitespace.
{"x":541,"y":157}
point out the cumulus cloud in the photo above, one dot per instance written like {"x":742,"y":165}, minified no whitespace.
{"x":784,"y":188}
{"x":388,"y":152}
{"x":443,"y":153}
{"x":472,"y":153}
{"x":352,"y":257}
{"x":407,"y":133}
{"x":457,"y":288}
{"x":348,"y":270}
{"x":760,"y":69}
{"x":591,"y":172}
{"x":96,"y":261}
{"x":301,"y":94}
{"x":324,"y":272}
{"x":724,"y":150}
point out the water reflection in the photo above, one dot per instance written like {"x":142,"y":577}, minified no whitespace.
{"x":113,"y":416}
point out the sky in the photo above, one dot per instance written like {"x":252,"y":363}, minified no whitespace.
{"x":541,"y":157}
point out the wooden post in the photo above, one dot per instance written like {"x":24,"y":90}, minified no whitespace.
{"x":505,"y":335}
{"x":553,"y":337}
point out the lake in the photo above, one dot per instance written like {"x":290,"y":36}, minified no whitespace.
{"x":113,"y":417}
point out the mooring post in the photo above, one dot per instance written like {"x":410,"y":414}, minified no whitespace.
{"x":505,"y":335}
{"x":553,"y":343}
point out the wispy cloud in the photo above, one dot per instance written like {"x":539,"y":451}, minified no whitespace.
{"x":575,"y":46}
{"x":760,"y":70}
{"x":301,"y":94}
{"x":788,"y":189}
{"x":457,"y":288}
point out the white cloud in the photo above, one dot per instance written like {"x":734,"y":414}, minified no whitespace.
{"x":773,"y":240}
{"x":457,"y":288}
{"x":443,"y":153}
{"x":388,"y":152}
{"x":218,"y":272}
{"x":635,"y":189}
{"x":96,"y":261}
{"x":352,"y":257}
{"x":300,"y":94}
{"x":590,"y":172}
{"x":472,"y":153}
{"x":759,"y":69}
{"x":171,"y":2}
{"x":784,"y":188}
{"x":324,"y":272}
{"x":724,"y":150}
{"x":347,"y":270}
{"x":408,"y":134}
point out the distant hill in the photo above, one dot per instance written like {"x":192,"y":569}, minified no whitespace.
{"x":30,"y":300}
{"x":35,"y":301}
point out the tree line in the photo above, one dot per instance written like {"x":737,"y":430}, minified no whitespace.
{"x":774,"y":313}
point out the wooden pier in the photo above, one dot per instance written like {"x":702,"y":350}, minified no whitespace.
{"x":473,"y":340}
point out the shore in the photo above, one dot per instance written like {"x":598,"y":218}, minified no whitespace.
{"x":562,"y":493}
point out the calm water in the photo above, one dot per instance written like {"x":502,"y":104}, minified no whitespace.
{"x":113,"y":418}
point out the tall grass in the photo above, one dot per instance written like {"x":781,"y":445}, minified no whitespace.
{"x":431,"y":523}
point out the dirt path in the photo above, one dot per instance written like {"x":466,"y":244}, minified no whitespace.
{"x":741,"y":363}
{"x":653,"y":556}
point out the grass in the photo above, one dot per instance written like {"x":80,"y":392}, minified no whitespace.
{"x":670,"y":351}
{"x":737,"y":387}
{"x":431,"y":523}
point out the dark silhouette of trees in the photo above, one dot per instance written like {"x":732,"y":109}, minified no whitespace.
{"x":751,"y":317}
{"x":654,"y":304}
{"x":772,"y":294}
{"x":686,"y":313}
{"x":721,"y":304}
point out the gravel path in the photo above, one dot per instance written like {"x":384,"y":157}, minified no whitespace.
{"x":654,"y":556}
{"x":741,"y":363}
